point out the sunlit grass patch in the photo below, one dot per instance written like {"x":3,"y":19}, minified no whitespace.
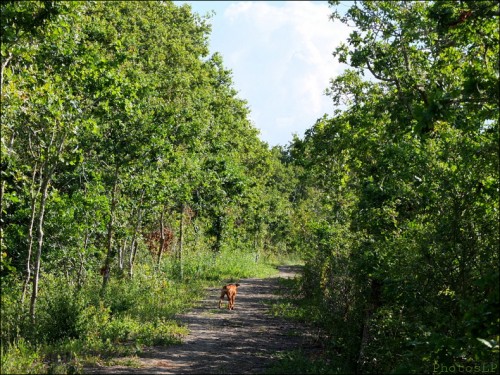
{"x":289,"y":305}
{"x":21,"y":357}
{"x":133,"y":362}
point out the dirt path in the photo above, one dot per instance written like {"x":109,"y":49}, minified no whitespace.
{"x":241,"y":341}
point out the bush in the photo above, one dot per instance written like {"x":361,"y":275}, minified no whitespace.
{"x":92,"y":322}
{"x":11,"y":311}
{"x":21,"y":357}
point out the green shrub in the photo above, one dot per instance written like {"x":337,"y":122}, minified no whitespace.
{"x":296,"y":362}
{"x":161,"y":332}
{"x":21,"y":357}
{"x":92,"y":322}
{"x":58,"y":320}
{"x":11,"y":311}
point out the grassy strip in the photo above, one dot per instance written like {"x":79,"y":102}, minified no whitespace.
{"x":294,"y":305}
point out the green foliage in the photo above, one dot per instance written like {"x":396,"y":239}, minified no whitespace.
{"x":291,"y":304}
{"x":11,"y":311}
{"x":398,"y":208}
{"x":117,"y":123}
{"x":61,"y":307}
{"x":297,"y":362}
{"x":20,"y":357}
{"x":117,"y":126}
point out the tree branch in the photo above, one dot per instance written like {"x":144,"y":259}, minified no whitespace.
{"x":4,"y":65}
{"x":378,"y":76}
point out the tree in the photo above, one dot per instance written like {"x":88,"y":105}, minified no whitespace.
{"x":395,"y":187}
{"x":48,"y":122}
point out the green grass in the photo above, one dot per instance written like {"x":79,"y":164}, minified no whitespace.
{"x":132,"y":313}
{"x":21,"y":357}
{"x":296,"y":362}
{"x":292,"y":305}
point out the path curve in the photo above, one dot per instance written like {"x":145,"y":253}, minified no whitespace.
{"x":242,"y":341}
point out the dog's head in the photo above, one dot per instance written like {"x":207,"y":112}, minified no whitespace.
{"x":231,"y":286}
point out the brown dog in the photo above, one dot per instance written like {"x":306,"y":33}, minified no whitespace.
{"x":229,"y":291}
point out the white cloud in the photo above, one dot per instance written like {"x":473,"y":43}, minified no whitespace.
{"x":281,"y":57}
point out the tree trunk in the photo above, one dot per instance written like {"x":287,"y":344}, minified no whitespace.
{"x":46,"y":171}
{"x":218,"y":233}
{"x":4,"y":66}
{"x":2,"y":186}
{"x":374,"y":302}
{"x":132,"y":259}
{"x":40,"y":221}
{"x":133,"y":245}
{"x":34,"y":196}
{"x":121,"y":255}
{"x":162,"y":236}
{"x":82,"y":259}
{"x":181,"y":241}
{"x":257,"y":242}
{"x":365,"y":338}
{"x":105,"y":271}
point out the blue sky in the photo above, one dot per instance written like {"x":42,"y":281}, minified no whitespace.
{"x":280,"y":53}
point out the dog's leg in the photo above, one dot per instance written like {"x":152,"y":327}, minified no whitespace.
{"x":221,"y":297}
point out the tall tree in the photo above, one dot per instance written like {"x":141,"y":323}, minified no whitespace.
{"x":397,"y":187}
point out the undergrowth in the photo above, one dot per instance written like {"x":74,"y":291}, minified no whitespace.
{"x":294,"y":304}
{"x":78,"y":326}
